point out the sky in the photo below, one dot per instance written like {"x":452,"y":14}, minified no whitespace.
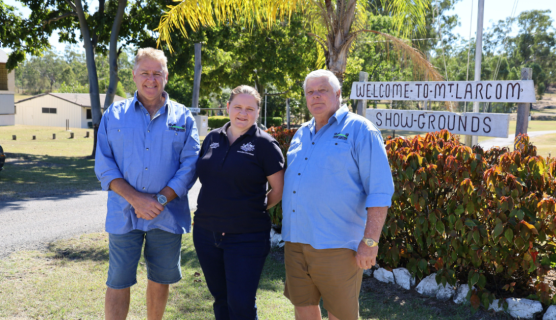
{"x":494,"y":10}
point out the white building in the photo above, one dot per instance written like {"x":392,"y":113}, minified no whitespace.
{"x":54,"y":109}
{"x":7,"y":88}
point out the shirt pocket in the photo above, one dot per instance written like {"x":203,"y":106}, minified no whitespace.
{"x":173,"y":142}
{"x":335,"y":155}
{"x":122,"y":144}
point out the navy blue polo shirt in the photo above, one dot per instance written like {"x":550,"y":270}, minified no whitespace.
{"x":234,"y":181}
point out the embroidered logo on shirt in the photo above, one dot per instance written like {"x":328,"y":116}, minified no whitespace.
{"x":214,"y":145}
{"x":248,"y":147}
{"x":341,"y":136}
{"x":173,"y":126}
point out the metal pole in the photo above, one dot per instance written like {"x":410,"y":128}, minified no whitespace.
{"x":288,"y":112}
{"x":362,"y":104}
{"x":265,"y":108}
{"x":473,"y":140}
{"x":197,"y":76}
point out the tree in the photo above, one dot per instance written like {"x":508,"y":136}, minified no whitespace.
{"x":335,"y":25}
{"x":20,"y":35}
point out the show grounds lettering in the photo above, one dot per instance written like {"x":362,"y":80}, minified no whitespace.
{"x":478,"y":124}
{"x":483,"y":91}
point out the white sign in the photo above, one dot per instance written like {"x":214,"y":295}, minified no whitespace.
{"x":483,"y":91}
{"x":478,"y":124}
{"x":195,"y":110}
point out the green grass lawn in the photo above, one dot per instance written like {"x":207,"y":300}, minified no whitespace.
{"x":68,"y":282}
{"x":546,"y":145}
{"x":45,"y":166}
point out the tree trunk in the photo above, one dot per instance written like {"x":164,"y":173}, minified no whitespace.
{"x":113,"y":54}
{"x":91,"y":70}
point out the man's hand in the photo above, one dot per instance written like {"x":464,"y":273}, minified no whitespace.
{"x":366,"y":256}
{"x":146,"y":206}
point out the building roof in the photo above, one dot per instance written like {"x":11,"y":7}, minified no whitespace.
{"x":80,"y":99}
{"x":3,"y":56}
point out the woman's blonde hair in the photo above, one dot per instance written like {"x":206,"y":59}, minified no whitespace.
{"x":243,"y":89}
{"x":151,"y":53}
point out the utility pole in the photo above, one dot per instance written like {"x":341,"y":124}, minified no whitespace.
{"x":197,"y":76}
{"x":473,"y":140}
{"x":265,"y":108}
{"x":288,"y":112}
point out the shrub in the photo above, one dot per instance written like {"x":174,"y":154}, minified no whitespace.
{"x":486,"y":218}
{"x":273,"y":122}
{"x":217,"y":121}
{"x":284,"y":137}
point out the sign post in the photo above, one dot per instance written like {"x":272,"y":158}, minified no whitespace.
{"x":362,"y":104}
{"x":523,"y":109}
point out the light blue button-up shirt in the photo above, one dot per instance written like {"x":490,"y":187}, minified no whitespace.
{"x":149,"y":155}
{"x":332,"y":177}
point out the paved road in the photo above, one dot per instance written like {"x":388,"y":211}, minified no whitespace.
{"x":33,"y":223}
{"x":509,"y":141}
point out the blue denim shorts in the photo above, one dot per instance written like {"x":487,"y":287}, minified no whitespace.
{"x":162,"y":256}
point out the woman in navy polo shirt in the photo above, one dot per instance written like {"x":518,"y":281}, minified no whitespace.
{"x":232,"y":225}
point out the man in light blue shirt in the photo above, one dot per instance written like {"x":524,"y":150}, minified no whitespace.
{"x":338,"y":187}
{"x":146,"y":154}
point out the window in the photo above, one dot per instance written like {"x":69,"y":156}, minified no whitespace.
{"x":49,"y":110}
{"x":89,"y":114}
{"x":3,"y":77}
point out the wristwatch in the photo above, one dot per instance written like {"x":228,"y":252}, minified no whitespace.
{"x":370,"y":242}
{"x":161,"y":199}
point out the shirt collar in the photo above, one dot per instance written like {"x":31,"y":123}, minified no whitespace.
{"x":339,"y":115}
{"x":136,"y":103}
{"x":225,"y":127}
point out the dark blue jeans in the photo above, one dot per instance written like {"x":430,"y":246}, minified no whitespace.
{"x":232,"y":265}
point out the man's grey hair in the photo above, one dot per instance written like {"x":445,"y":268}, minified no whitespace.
{"x":151,"y":53}
{"x":332,"y":79}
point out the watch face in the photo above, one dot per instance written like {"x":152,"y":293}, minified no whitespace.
{"x":370,"y":242}
{"x":162,"y":199}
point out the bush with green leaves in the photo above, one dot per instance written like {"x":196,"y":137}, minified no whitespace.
{"x":485,"y":218}
{"x":273,"y":122}
{"x":217,"y":121}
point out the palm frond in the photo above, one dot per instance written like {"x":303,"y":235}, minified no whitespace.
{"x":418,"y":60}
{"x":209,"y":13}
{"x":408,"y":15}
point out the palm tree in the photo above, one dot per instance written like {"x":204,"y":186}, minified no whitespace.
{"x":335,"y":25}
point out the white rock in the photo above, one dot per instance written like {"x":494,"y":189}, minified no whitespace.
{"x":523,"y":308}
{"x":428,"y":286}
{"x":519,"y":308}
{"x":461,"y":294}
{"x":550,"y":313}
{"x":494,"y":306}
{"x":403,"y":278}
{"x":445,"y":292}
{"x":276,"y":239}
{"x":384,"y":275}
{"x":368,"y":272}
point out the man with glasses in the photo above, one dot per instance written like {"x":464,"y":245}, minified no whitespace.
{"x":146,"y":154}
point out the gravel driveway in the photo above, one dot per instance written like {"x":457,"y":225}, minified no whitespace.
{"x":33,"y":223}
